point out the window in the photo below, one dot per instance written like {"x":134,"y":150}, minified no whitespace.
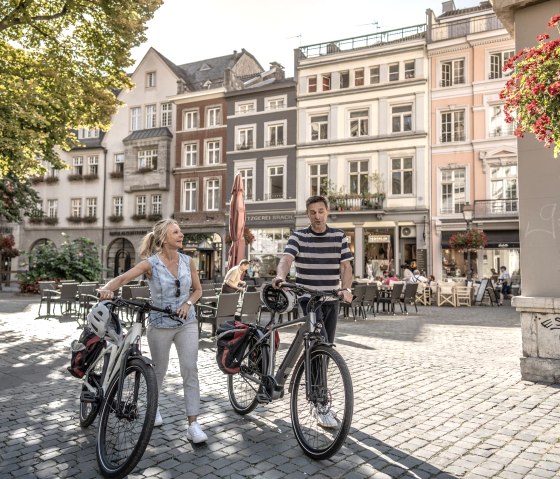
{"x":275,"y":134}
{"x":245,"y":138}
{"x":275,"y":182}
{"x":394,"y":72}
{"x":452,"y":191}
{"x":213,"y":117}
{"x":246,"y":107}
{"x":319,"y":127}
{"x":213,"y":152}
{"x":135,"y":120}
{"x":453,"y":126}
{"x":166,"y":114}
{"x":409,"y":69}
{"x":503,"y":185}
{"x":401,"y":118}
{"x":276,"y":103}
{"x":52,"y":208}
{"x":76,"y":207}
{"x":117,"y":205}
{"x":498,"y":125}
{"x":119,"y":163}
{"x":401,"y":176}
{"x":190,"y":120}
{"x":311,"y":84}
{"x":359,"y":77}
{"x":151,"y":116}
{"x":212,"y":195}
{"x":326,"y":82}
{"x":156,"y":204}
{"x":359,"y":177}
{"x":147,"y":159}
{"x":497,"y":62}
{"x":93,"y":165}
{"x":78,"y":165}
{"x":150,"y":79}
{"x":85,"y":133}
{"x":190,"y":153}
{"x":91,"y":207}
{"x":189,"y":195}
{"x":359,"y":123}
{"x":374,"y":77}
{"x":319,"y":179}
{"x":248,"y":182}
{"x":344,"y":79}
{"x":141,"y":205}
{"x":452,"y":73}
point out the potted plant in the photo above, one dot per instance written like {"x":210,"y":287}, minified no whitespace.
{"x":115,"y":218}
{"x":532,"y":93}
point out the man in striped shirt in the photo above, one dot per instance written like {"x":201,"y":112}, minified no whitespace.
{"x":323,"y":260}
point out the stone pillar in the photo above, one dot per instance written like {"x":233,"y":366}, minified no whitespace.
{"x":359,"y":250}
{"x":539,"y":215}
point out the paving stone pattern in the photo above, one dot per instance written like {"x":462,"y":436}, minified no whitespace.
{"x":437,"y":394}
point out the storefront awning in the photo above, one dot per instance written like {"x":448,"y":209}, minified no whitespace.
{"x":496,"y":239}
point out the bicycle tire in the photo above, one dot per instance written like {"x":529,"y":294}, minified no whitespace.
{"x":90,"y":410}
{"x":337,"y":399}
{"x":242,"y":391}
{"x":121,"y":441}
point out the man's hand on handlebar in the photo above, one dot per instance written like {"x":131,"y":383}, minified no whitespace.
{"x":345,"y":295}
{"x":277,"y":282}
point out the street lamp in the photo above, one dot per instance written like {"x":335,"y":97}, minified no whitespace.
{"x":468,"y":216}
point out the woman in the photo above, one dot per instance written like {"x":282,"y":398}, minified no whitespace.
{"x":232,"y":281}
{"x":171,"y":276}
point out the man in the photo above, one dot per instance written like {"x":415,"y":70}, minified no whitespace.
{"x":504,"y":281}
{"x":322,"y":259}
{"x":417,"y":277}
{"x":232,"y":281}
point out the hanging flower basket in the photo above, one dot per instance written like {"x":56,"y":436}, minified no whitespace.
{"x":470,"y":240}
{"x":7,"y":247}
{"x":532,"y":94}
{"x":248,"y":236}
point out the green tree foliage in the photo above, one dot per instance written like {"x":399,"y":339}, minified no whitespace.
{"x":77,"y":260}
{"x":61,"y":62}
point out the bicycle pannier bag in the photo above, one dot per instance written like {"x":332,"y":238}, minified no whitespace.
{"x":84,"y":352}
{"x":232,"y":337}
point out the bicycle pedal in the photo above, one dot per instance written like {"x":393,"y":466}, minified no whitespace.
{"x":88,"y":396}
{"x":263,"y":398}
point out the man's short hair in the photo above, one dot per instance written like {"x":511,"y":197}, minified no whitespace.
{"x":316,"y":199}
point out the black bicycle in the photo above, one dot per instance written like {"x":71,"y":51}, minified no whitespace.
{"x":322,"y":399}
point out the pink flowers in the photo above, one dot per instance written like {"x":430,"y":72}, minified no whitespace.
{"x":473,"y":239}
{"x":532,"y":94}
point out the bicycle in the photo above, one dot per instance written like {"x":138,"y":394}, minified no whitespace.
{"x":121,"y":385}
{"x":321,"y":402}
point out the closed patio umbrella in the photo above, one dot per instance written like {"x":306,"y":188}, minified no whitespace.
{"x":237,"y":222}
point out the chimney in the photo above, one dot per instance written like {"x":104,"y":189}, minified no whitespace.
{"x":279,"y":73}
{"x":447,"y":6}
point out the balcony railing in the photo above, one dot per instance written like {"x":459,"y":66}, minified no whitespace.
{"x":447,"y":30}
{"x":496,"y":208}
{"x":245,"y":146}
{"x":355,"y":203}
{"x":354,"y":43}
{"x":278,"y":142}
{"x":501,"y":131}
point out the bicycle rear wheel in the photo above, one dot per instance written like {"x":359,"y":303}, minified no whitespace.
{"x":90,"y":409}
{"x":244,"y":386}
{"x":321,"y":421}
{"x":125,"y":426}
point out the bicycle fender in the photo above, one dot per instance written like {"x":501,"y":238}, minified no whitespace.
{"x":300,"y":360}
{"x":146,"y":359}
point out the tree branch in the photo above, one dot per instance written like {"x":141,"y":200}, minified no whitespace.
{"x":19,"y":16}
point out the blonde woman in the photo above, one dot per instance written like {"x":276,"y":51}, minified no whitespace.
{"x":173,"y":281}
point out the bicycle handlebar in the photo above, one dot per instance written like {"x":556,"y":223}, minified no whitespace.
{"x":145,"y":305}
{"x":298,"y":289}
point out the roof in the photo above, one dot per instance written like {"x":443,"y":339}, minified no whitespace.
{"x":464,"y":11}
{"x":149,"y":133}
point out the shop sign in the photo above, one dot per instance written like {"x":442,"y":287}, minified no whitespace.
{"x":378,"y":238}
{"x":272,"y":218}
{"x":503,"y":245}
{"x":127,"y":233}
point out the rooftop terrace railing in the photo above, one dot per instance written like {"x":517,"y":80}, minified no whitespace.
{"x":460,"y":28}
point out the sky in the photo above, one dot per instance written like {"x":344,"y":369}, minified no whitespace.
{"x":186,"y":31}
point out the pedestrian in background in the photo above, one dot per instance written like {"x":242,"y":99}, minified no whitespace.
{"x":233,"y":282}
{"x":171,"y":277}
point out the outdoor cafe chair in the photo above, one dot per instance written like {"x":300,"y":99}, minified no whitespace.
{"x":47,"y":290}
{"x":446,"y":294}
{"x":356,"y":306}
{"x":250,"y":307}
{"x":409,"y":296}
{"x":67,"y":298}
{"x":87,"y":297}
{"x":423,"y":294}
{"x":463,"y":295}
{"x":391,"y":299}
{"x":225,"y":309}
{"x":370,"y":298}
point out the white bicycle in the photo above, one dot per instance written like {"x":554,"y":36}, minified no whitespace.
{"x":121,"y":384}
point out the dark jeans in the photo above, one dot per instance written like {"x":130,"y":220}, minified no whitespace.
{"x":328,"y":313}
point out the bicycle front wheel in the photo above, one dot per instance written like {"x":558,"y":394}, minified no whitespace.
{"x":244,"y":386}
{"x":126,"y":425}
{"x":321,"y":421}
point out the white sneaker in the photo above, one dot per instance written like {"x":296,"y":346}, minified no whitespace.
{"x":327,"y":419}
{"x":195,"y":433}
{"x":158,"y":421}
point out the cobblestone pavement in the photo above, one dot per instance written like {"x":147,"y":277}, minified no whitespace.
{"x":437,"y":394}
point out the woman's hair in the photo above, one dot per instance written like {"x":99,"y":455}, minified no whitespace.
{"x":153,"y":241}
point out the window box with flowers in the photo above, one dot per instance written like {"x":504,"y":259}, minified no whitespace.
{"x":248,"y":236}
{"x":7,"y":247}
{"x":532,"y":93}
{"x":471,"y":240}
{"x":51,"y":220}
{"x":36,"y":220}
{"x":75,"y":177}
{"x":138,"y":217}
{"x":49,"y":180}
{"x":154,"y":217}
{"x":116,"y":174}
{"x":74,"y":219}
{"x":145,"y":169}
{"x":91,"y":177}
{"x":35,"y":180}
{"x":89,"y":219}
{"x":115,"y":218}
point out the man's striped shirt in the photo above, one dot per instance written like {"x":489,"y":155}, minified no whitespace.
{"x":318,"y":257}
